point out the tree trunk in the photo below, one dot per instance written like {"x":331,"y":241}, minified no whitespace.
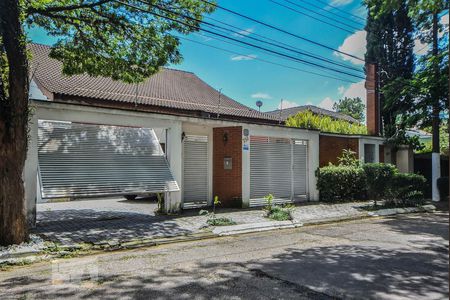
{"x":13,"y":125}
{"x":435,"y":155}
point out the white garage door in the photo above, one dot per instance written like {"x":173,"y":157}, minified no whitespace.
{"x":85,"y":160}
{"x":195,"y":171}
{"x":278,"y":167}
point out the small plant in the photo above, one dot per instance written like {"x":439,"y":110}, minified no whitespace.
{"x":277,"y":212}
{"x":349,"y":158}
{"x":212,"y":219}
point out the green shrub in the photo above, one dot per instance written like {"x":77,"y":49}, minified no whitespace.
{"x":309,"y":120}
{"x":378,"y":178}
{"x":349,"y":158}
{"x":407,"y":189}
{"x":340,"y":183}
{"x":442,"y":184}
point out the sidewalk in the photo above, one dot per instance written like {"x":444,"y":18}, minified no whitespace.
{"x":99,"y":225}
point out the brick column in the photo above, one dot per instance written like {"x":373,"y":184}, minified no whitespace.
{"x":372,"y":105}
{"x":227,"y":182}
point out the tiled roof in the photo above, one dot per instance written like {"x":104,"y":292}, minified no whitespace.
{"x":173,"y":89}
{"x":286,"y":113}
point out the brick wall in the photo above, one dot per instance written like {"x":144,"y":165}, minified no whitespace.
{"x":330,"y":148}
{"x":372,"y":113}
{"x":227,"y":184}
{"x":381,"y":151}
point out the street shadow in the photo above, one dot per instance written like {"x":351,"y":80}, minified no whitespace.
{"x":72,"y":226}
{"x":332,"y":272}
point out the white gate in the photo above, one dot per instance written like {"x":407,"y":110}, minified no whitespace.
{"x":85,"y":160}
{"x":195,"y":171}
{"x":278,"y":166}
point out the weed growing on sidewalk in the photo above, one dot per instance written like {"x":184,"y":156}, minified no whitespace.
{"x":277,"y":212}
{"x":213,"y":220}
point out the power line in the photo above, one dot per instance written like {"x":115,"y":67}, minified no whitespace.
{"x":331,"y":12}
{"x":283,"y":31}
{"x":265,"y":61}
{"x":341,"y":10}
{"x":239,"y":41}
{"x":274,"y":55}
{"x":276,"y":43}
{"x":315,"y":18}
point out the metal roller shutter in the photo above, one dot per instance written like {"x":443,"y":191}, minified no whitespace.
{"x":300,"y":159}
{"x":270,"y":170}
{"x":195,"y":171}
{"x":84,"y":160}
{"x":279,"y":167}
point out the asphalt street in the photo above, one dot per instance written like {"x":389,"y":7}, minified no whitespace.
{"x":403,"y":257}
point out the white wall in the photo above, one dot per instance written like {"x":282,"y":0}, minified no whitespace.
{"x":370,"y":140}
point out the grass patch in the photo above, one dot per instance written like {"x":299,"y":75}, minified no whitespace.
{"x":278,"y":213}
{"x":220,"y":222}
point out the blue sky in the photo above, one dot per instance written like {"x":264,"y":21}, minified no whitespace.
{"x":246,"y":79}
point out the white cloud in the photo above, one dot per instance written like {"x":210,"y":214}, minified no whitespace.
{"x":340,"y":2}
{"x":326,"y":103}
{"x":261,"y":96}
{"x":355,"y":45}
{"x":244,"y":33}
{"x":243,"y":57}
{"x":420,"y":48}
{"x":356,"y":90}
{"x":444,"y":19}
{"x":287,"y":104}
{"x":341,"y":90}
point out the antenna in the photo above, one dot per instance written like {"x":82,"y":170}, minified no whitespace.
{"x":218,"y":106}
{"x":281,"y":109}
{"x":259,"y":103}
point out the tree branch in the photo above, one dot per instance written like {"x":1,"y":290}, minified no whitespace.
{"x":50,"y":9}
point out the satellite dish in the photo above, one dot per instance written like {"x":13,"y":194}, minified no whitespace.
{"x":259,"y":103}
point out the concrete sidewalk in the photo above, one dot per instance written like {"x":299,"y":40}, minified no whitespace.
{"x":119,"y":224}
{"x":113,"y":222}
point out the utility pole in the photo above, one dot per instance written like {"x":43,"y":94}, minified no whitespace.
{"x":435,"y":155}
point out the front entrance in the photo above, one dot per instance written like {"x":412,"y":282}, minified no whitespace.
{"x":195,"y":171}
{"x":278,"y":166}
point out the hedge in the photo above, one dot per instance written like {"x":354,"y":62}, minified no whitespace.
{"x":379,"y":178}
{"x":408,"y":188}
{"x":340,"y":183}
{"x":372,"y":181}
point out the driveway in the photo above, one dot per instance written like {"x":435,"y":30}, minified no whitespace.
{"x":116,"y":220}
{"x":403,"y":257}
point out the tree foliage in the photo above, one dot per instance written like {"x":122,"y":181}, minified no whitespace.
{"x":309,"y":120}
{"x":390,"y":44}
{"x":127,"y":40}
{"x":353,"y":107}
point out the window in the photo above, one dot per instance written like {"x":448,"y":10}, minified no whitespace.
{"x":369,"y":153}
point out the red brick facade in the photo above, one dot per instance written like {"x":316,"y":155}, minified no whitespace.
{"x":227,"y":183}
{"x":381,"y":158}
{"x":330,"y":148}
{"x":373,"y":122}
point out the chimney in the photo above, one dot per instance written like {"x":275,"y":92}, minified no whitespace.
{"x":373,"y":101}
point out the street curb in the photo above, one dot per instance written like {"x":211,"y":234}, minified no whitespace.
{"x":210,"y":234}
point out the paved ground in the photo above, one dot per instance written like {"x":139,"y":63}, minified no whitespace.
{"x":118,"y":220}
{"x":403,"y":257}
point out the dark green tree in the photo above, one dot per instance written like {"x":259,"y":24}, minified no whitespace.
{"x":390,"y":44}
{"x":353,"y":107}
{"x":126,"y":40}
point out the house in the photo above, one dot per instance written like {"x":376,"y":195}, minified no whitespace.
{"x":92,"y":136}
{"x":283,"y":114}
